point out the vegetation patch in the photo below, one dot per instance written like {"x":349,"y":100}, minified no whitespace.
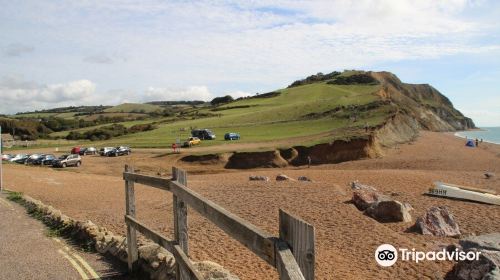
{"x":356,"y":79}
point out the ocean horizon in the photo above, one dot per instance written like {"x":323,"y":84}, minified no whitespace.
{"x":488,"y":134}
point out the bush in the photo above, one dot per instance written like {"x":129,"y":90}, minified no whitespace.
{"x":354,"y":79}
{"x":221,"y":100}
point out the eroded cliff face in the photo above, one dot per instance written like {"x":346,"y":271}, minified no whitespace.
{"x":431,"y":109}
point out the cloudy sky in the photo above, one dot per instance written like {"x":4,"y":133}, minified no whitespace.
{"x":59,"y":53}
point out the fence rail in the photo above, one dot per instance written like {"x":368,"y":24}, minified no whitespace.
{"x":292,"y":253}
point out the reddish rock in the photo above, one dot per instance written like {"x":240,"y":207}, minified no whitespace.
{"x":438,"y":221}
{"x":363,"y":199}
{"x":389,"y":211}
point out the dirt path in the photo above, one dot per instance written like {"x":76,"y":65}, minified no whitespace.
{"x":28,"y":252}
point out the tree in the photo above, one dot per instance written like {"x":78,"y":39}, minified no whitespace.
{"x":221,"y":100}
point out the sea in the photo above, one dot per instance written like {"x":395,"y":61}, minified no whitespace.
{"x":488,"y":134}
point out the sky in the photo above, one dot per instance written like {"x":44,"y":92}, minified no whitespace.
{"x":63,"y":53}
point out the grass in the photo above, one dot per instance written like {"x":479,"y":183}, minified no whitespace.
{"x":133,"y":108}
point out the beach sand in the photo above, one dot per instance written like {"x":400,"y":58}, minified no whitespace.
{"x":345,"y":238}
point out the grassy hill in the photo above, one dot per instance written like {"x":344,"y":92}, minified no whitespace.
{"x":133,"y":108}
{"x":317,"y":109}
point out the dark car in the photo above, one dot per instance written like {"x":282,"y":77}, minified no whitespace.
{"x":22,"y":159}
{"x":34,"y":157}
{"x":76,"y":150}
{"x":232,"y":136}
{"x":123,"y":150}
{"x":203,"y":134}
{"x":107,"y":151}
{"x":45,"y":160}
{"x":67,"y":160}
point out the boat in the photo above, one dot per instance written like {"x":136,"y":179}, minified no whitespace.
{"x":464,"y":193}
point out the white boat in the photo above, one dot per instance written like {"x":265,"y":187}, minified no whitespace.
{"x":466,"y":193}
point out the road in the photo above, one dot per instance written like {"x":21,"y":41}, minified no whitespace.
{"x":28,"y":251}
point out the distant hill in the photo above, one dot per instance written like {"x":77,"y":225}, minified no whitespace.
{"x":133,"y":108}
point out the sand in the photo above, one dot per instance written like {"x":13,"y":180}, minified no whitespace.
{"x":345,"y":238}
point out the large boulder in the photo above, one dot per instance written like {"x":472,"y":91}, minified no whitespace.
{"x":389,"y":211}
{"x":487,"y":267}
{"x":438,"y":221}
{"x":364,"y":199}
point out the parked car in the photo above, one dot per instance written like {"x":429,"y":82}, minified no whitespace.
{"x":7,"y":157}
{"x":16,"y":157}
{"x":45,"y":160}
{"x":90,"y":151}
{"x":191,"y":141}
{"x":32,"y":158}
{"x":203,"y":134}
{"x":75,"y":150}
{"x":22,"y":159}
{"x":67,"y":160}
{"x":107,"y":151}
{"x":232,"y":136}
{"x":123,"y":150}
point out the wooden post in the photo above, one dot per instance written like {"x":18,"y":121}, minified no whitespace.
{"x":300,"y":237}
{"x":131,"y":233}
{"x":180,"y":220}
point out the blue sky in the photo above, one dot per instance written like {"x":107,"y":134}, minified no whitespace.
{"x":60,"y":53}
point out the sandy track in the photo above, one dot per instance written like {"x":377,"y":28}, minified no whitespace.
{"x":346,"y":239}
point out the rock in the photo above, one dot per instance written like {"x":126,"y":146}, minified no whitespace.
{"x":283,"y":177}
{"x":213,"y":271}
{"x":489,"y":175}
{"x":259,"y":178}
{"x":358,"y":186}
{"x":487,"y":267}
{"x":489,"y":241}
{"x":389,"y":211}
{"x":364,"y":199}
{"x":305,"y":179}
{"x":438,"y":221}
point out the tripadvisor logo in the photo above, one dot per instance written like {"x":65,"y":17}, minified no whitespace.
{"x":387,"y":255}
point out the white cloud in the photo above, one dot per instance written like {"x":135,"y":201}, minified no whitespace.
{"x":224,"y":45}
{"x":177,"y":94}
{"x":19,"y":95}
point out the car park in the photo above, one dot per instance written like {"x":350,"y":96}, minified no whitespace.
{"x":232,"y":136}
{"x":191,"y":141}
{"x":67,"y":160}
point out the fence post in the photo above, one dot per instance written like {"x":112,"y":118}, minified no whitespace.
{"x":131,"y":233}
{"x":180,"y":220}
{"x":300,"y":237}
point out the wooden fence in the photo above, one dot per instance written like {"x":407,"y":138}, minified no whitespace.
{"x":292,"y":253}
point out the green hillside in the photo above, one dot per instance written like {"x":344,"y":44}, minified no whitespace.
{"x":133,"y":108}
